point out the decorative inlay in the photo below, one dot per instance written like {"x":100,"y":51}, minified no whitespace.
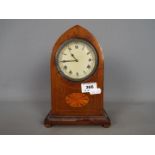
{"x":77,"y":99}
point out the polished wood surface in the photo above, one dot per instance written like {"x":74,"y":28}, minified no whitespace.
{"x":62,"y":90}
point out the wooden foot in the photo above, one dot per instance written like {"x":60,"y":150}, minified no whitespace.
{"x":47,"y":122}
{"x":102,"y":120}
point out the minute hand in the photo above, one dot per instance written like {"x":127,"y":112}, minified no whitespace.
{"x":63,"y":61}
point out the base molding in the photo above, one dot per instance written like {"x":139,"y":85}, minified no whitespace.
{"x":102,"y":120}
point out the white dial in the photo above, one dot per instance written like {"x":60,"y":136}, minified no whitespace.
{"x":76,"y":59}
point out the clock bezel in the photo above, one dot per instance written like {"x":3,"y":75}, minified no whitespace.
{"x":59,"y":51}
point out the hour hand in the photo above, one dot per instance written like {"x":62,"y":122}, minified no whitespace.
{"x":63,"y":61}
{"x":74,"y":57}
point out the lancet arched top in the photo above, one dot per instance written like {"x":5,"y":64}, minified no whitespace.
{"x":78,"y":31}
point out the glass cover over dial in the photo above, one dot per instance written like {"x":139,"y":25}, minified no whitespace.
{"x":76,"y":59}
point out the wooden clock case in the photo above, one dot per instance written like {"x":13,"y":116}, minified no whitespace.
{"x":61,"y":113}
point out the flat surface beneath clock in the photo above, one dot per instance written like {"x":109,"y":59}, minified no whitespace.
{"x":26,"y":117}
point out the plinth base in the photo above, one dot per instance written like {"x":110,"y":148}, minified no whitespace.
{"x":51,"y":120}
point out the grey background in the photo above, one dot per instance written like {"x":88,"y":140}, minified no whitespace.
{"x":129,"y":52}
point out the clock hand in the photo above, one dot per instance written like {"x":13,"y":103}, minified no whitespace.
{"x":74,"y":57}
{"x":63,"y":61}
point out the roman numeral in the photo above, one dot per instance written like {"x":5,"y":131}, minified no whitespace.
{"x":70,"y":72}
{"x":88,"y":66}
{"x":65,"y":67}
{"x":76,"y":46}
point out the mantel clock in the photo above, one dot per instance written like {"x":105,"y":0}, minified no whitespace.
{"x":77,"y":80}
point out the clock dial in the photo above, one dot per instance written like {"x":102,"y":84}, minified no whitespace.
{"x":76,"y":59}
